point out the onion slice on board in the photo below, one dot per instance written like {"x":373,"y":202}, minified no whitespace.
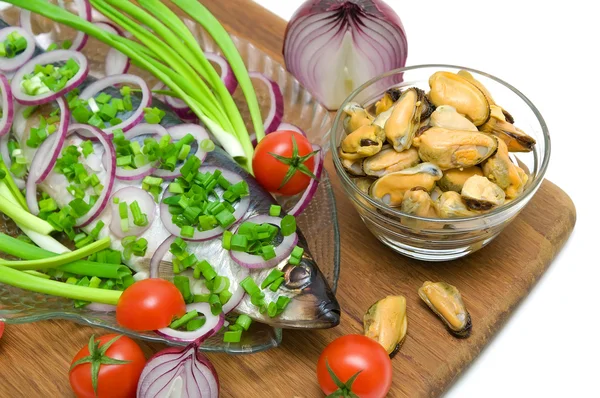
{"x":45,"y":59}
{"x":240,"y":210}
{"x":116,"y":62}
{"x":7,"y":106}
{"x":178,"y":132}
{"x":110,"y":81}
{"x":177,"y":372}
{"x":276,"y":109}
{"x":282,"y":251}
{"x":147,"y":169}
{"x":129,"y":195}
{"x":12,"y":64}
{"x":227,"y":75}
{"x":44,"y":40}
{"x":310,"y":191}
{"x":213,"y":324}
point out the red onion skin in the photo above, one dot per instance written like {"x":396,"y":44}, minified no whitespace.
{"x":8,"y":108}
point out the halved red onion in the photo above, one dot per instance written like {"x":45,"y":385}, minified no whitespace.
{"x":100,"y":307}
{"x":44,"y":59}
{"x":213,"y":324}
{"x":116,"y":63}
{"x":110,"y":81}
{"x":146,"y":170}
{"x":311,"y":189}
{"x":282,"y":250}
{"x":111,"y":166}
{"x":199,"y":236}
{"x":8,"y":108}
{"x":275,"y":114}
{"x":282,"y":126}
{"x":44,"y":40}
{"x":129,"y":195}
{"x":159,"y":254}
{"x":227,"y":75}
{"x":12,"y":64}
{"x":176,"y":372}
{"x":178,"y":132}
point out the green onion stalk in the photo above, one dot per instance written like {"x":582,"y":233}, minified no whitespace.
{"x":171,"y":53}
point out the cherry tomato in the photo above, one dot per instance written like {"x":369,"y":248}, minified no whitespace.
{"x":113,"y":380}
{"x":270,"y":171}
{"x":1,"y":329}
{"x":350,"y":354}
{"x":150,"y":304}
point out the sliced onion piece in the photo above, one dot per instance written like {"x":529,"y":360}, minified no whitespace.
{"x":159,"y":254}
{"x":240,"y":210}
{"x":177,"y":133}
{"x":111,"y":166}
{"x":311,"y":189}
{"x":44,"y":40}
{"x":12,"y":64}
{"x":110,"y":81}
{"x":282,"y":251}
{"x":276,"y":109}
{"x":146,"y":170}
{"x":50,"y":156}
{"x":213,"y":324}
{"x":227,"y":75}
{"x":176,"y":372}
{"x":45,"y":59}
{"x":116,"y":63}
{"x":179,"y":106}
{"x":129,"y":195}
{"x":8,"y":108}
{"x":238,"y":295}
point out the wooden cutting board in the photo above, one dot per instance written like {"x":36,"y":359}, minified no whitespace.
{"x":34,"y":358}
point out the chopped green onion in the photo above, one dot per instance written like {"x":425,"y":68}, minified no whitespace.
{"x":272,"y":309}
{"x":207,"y":145}
{"x":288,"y":225}
{"x":244,"y":321}
{"x":215,"y":304}
{"x":275,"y":285}
{"x":176,"y":324}
{"x":297,"y":252}
{"x":249,"y":286}
{"x":272,"y":277}
{"x":275,"y":210}
{"x":195,"y":324}
{"x":227,"y":235}
{"x":232,"y":336}
{"x":282,"y":303}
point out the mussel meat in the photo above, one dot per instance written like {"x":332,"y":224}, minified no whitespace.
{"x":451,"y":149}
{"x":364,"y":142}
{"x":515,"y":139}
{"x":357,"y":116}
{"x":502,"y":171}
{"x":386,"y":322}
{"x":363,"y":183}
{"x":417,"y":202}
{"x":390,"y":188}
{"x":451,"y":205}
{"x":446,"y":117}
{"x":454,"y":179}
{"x":465,"y":74}
{"x":446,"y":302}
{"x":389,"y":160}
{"x":451,"y":89}
{"x":405,"y":118}
{"x":388,"y":100}
{"x":479,"y":193}
{"x":353,"y":167}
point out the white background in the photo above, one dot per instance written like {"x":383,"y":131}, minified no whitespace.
{"x":549,"y":50}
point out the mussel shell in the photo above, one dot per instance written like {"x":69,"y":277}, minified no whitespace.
{"x":451,"y":299}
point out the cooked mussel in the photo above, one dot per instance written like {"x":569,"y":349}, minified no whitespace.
{"x":446,"y":302}
{"x":386,"y":322}
{"x":515,"y":139}
{"x":356,"y":117}
{"x":390,"y":188}
{"x":451,"y":149}
{"x":479,"y":193}
{"x":451,"y":205}
{"x":354,"y":167}
{"x":454,"y":179}
{"x":417,"y":202}
{"x":389,"y":160}
{"x":363,"y":183}
{"x":363,"y":142}
{"x":405,"y":118}
{"x":388,"y":100}
{"x":451,"y":89}
{"x":446,"y":117}
{"x":502,"y":171}
{"x":465,"y":74}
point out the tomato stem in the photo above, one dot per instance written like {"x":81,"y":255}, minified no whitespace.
{"x":295,"y":163}
{"x":344,"y":389}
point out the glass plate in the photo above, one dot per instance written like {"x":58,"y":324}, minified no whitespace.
{"x":318,"y":222}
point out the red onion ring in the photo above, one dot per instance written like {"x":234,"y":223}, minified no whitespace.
{"x":200,"y":236}
{"x":128,"y":195}
{"x":277,"y":104}
{"x":178,"y":106}
{"x":179,"y":372}
{"x":116,"y":63}
{"x":8,"y":108}
{"x":12,"y":64}
{"x":178,"y":132}
{"x":147,"y":169}
{"x":54,"y":152}
{"x":110,"y":164}
{"x":311,"y":189}
{"x":213,"y":324}
{"x":159,"y":254}
{"x":44,"y":59}
{"x":109,"y":81}
{"x":227,"y":75}
{"x":282,"y":126}
{"x":237,"y":296}
{"x":84,"y":10}
{"x":283,"y":250}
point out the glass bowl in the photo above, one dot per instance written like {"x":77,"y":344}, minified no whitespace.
{"x":318,"y":222}
{"x":436,"y":239}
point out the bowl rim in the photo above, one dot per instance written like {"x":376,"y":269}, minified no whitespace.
{"x":529,"y":191}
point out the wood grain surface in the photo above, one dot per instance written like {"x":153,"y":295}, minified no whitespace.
{"x":34,"y":358}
